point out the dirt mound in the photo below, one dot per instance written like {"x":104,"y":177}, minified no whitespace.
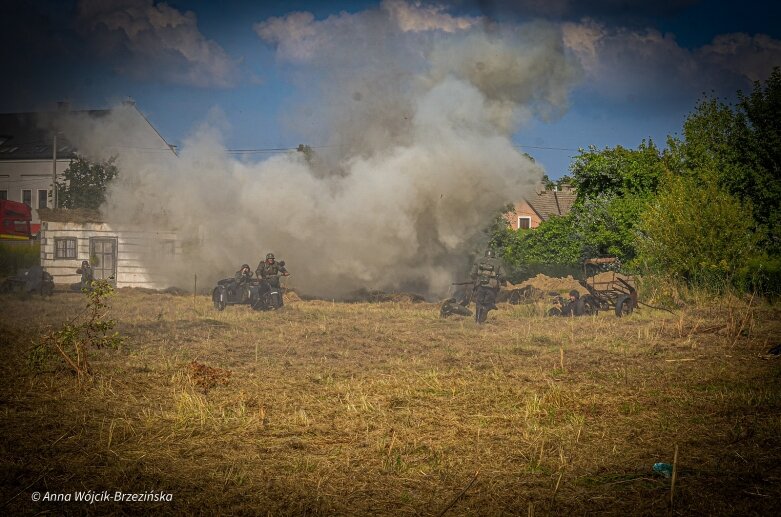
{"x":546,"y":283}
{"x":291,"y":296}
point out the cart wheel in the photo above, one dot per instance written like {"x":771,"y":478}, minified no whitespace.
{"x":218,"y":297}
{"x":553,"y":311}
{"x":590,"y":306}
{"x":624,"y":306}
{"x":515,"y":297}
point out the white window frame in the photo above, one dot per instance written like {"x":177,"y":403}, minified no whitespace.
{"x":528,"y":218}
{"x":66,"y":240}
{"x":39,"y":197}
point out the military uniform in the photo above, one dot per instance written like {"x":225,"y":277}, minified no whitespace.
{"x":271,"y":272}
{"x":488,"y":275}
{"x":87,"y":275}
{"x":242,"y":278}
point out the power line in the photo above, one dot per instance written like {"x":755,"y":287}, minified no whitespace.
{"x":521,"y":146}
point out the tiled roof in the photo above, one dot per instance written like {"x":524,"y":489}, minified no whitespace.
{"x":30,"y":136}
{"x":73,"y":215}
{"x":551,"y":202}
{"x":26,"y":136}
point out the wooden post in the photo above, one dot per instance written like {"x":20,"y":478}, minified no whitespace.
{"x":195,"y":284}
{"x":674,"y":476}
{"x":54,"y":172}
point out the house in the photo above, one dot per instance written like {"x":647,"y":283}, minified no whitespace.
{"x":127,"y":255}
{"x":36,"y":148}
{"x":532,"y":210}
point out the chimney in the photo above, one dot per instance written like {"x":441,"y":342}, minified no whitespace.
{"x":128,"y":102}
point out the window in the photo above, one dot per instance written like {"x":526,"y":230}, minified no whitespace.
{"x":27,"y":197}
{"x":524,"y":223}
{"x":43,"y":197}
{"x":65,"y":248}
{"x":3,"y":194}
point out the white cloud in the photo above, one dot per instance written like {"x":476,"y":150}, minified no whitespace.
{"x":156,"y":40}
{"x":750,"y":56}
{"x":416,"y":17}
{"x":636,"y":63}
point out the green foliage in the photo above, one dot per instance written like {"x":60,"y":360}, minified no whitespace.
{"x":739,"y":147}
{"x":696,"y":232}
{"x":18,"y":256}
{"x":84,"y":183}
{"x":606,"y":225}
{"x":761,"y":274}
{"x":617,"y":171}
{"x":553,"y":242}
{"x":90,"y":329}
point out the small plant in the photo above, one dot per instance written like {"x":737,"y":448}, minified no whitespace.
{"x":90,"y":328}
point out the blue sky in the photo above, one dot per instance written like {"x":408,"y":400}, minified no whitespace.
{"x":642,"y":64}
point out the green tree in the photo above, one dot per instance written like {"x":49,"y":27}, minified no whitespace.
{"x":84,"y":183}
{"x":738,"y":147}
{"x":607,"y":224}
{"x":696,"y":232}
{"x":618,"y":171}
{"x":555,"y":241}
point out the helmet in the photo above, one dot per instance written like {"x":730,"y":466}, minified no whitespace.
{"x":574,"y":294}
{"x":490,"y":253}
{"x":245,"y":266}
{"x":270,"y":256}
{"x":85,"y":263}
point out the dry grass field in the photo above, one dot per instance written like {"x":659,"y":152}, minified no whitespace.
{"x":385,"y":409}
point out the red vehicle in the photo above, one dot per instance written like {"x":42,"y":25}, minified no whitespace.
{"x":15,"y":220}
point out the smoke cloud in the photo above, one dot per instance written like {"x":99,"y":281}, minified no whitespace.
{"x":411,"y":111}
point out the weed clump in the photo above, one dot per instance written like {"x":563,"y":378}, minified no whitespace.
{"x":91,"y":328}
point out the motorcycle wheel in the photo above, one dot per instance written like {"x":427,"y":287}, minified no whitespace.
{"x":218,"y":298}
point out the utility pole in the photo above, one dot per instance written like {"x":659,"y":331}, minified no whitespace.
{"x":54,"y":172}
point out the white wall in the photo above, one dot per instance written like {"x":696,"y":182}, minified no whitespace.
{"x":137,"y":252}
{"x":18,"y":175}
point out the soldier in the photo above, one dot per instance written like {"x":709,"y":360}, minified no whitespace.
{"x":270,"y":270}
{"x":487,"y":275}
{"x":571,"y":308}
{"x":242,"y":278}
{"x":87,"y":275}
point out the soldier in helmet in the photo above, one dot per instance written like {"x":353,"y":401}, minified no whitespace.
{"x":270,"y":270}
{"x":243,"y":277}
{"x":87,"y":275}
{"x":487,"y":275}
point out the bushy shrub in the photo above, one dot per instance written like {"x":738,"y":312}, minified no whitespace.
{"x":698,"y":233}
{"x":18,"y":256}
{"x":761,"y":275}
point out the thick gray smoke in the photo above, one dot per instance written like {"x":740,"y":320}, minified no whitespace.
{"x":414,"y":110}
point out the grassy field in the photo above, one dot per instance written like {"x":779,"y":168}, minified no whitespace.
{"x":365,"y":409}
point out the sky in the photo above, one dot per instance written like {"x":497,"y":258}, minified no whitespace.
{"x":250,"y":68}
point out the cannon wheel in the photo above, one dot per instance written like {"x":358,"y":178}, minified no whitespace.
{"x":553,"y":311}
{"x":515,"y":297}
{"x":624,"y":306}
{"x":218,"y":297}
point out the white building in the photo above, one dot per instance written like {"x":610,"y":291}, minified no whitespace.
{"x":126,"y":254}
{"x":29,"y":158}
